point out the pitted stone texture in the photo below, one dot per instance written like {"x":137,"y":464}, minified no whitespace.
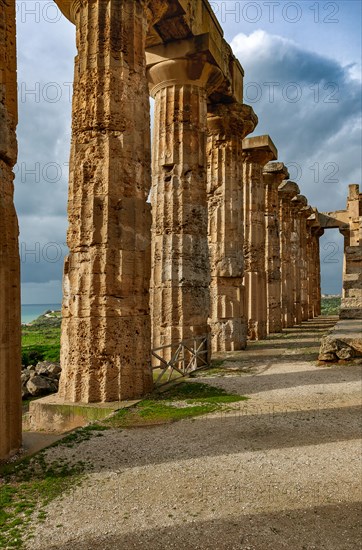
{"x":10,"y":338}
{"x":105,"y":345}
{"x":351,"y":307}
{"x":286,"y":191}
{"x":180,"y":260}
{"x":297,"y":250}
{"x":274,"y":173}
{"x":344,"y":342}
{"x":227,"y":126}
{"x":257,"y":151}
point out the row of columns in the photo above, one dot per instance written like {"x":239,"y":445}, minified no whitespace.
{"x":221,"y":248}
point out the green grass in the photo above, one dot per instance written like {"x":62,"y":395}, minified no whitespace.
{"x":27,"y":486}
{"x":331,"y":306}
{"x":41,"y":340}
{"x":183,"y":400}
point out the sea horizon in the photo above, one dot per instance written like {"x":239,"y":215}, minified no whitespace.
{"x":30,"y":312}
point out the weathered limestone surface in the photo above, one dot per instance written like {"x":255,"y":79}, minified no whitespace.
{"x":304,"y":252}
{"x":274,"y":173}
{"x":180,"y":258}
{"x":297,"y":255}
{"x":344,"y":342}
{"x":227,"y":127}
{"x":10,"y":340}
{"x":257,"y":152}
{"x":105,"y":346}
{"x":287,"y":190}
{"x":351,"y":307}
{"x":349,"y":222}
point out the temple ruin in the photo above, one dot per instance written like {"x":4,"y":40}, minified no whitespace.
{"x":227,"y":247}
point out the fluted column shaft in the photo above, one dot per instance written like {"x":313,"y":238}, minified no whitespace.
{"x":297,"y":259}
{"x":10,"y":335}
{"x":305,"y":242}
{"x":274,"y":173}
{"x":287,"y":190}
{"x":227,"y":126}
{"x":180,"y":262}
{"x":255,"y":159}
{"x":105,"y":348}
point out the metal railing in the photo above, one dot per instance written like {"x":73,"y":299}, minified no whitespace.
{"x":187,"y":356}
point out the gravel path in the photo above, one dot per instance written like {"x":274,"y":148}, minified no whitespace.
{"x":281,"y":471}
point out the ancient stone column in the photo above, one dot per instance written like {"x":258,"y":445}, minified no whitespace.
{"x":180,"y":259}
{"x":314,"y":276}
{"x":274,"y":173}
{"x":304,"y":252}
{"x":227,"y":127}
{"x":317,"y":233}
{"x":10,"y":335}
{"x":257,"y":151}
{"x":287,"y":190}
{"x":106,"y":332}
{"x":298,"y":203}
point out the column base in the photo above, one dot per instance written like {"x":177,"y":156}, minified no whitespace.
{"x":54,"y":415}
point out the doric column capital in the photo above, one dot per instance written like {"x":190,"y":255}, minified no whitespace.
{"x":275,"y":173}
{"x":193,"y":71}
{"x":235,"y":119}
{"x":287,"y":190}
{"x":306,"y":211}
{"x":298,"y":203}
{"x":155,"y":8}
{"x":259,"y":150}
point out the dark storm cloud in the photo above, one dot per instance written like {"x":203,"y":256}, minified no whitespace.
{"x":46,"y":48}
{"x":310,"y":105}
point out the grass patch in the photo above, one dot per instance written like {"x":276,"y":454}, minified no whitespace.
{"x":41,"y":340}
{"x":183,"y":400}
{"x":330,"y":306}
{"x":27,"y":486}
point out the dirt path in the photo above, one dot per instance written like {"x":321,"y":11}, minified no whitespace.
{"x":280,"y":471}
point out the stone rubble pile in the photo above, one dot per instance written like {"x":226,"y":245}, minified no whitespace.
{"x":40,"y":380}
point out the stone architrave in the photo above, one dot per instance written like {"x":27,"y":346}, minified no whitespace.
{"x":180,"y":259}
{"x":227,"y":127}
{"x":257,"y":152}
{"x":10,"y":319}
{"x":287,"y":190}
{"x":106,"y":330}
{"x":274,"y":173}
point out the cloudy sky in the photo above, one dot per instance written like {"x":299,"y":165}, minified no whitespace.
{"x":302,"y":63}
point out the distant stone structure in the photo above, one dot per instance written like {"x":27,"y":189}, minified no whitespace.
{"x":227,"y":249}
{"x":349,"y":223}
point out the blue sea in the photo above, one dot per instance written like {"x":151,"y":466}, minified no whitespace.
{"x":32,"y":311}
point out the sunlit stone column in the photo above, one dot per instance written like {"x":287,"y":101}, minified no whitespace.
{"x":257,"y":152}
{"x":106,"y":332}
{"x":227,"y":126}
{"x":10,"y":339}
{"x":287,"y":190}
{"x":304,"y":244}
{"x":274,"y":173}
{"x":317,"y":233}
{"x":298,"y":203}
{"x":180,"y":259}
{"x":314,"y":278}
